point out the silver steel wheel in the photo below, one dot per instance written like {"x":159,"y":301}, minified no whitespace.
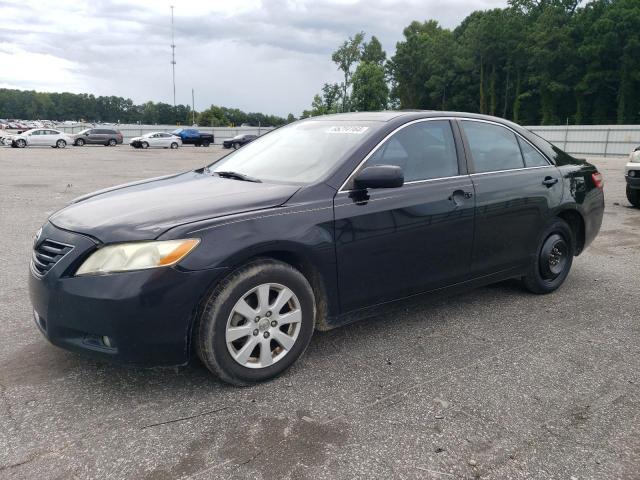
{"x":263,"y":325}
{"x":61,"y":144}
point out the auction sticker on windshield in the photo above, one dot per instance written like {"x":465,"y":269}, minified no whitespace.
{"x":355,"y":130}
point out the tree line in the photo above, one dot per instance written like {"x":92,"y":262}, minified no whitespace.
{"x":535,"y":62}
{"x":31,"y":105}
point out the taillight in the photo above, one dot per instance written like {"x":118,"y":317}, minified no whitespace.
{"x":598,"y":180}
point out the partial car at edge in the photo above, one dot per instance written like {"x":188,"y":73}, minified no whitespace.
{"x":632,"y":177}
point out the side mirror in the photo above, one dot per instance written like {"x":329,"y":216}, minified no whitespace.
{"x":379,"y":176}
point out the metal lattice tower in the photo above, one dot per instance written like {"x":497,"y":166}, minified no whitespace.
{"x":173,"y":60}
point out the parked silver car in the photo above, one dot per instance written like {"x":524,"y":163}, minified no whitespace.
{"x":44,"y":137}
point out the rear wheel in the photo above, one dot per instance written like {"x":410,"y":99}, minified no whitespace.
{"x":61,"y":144}
{"x":174,"y":145}
{"x":553,"y":259}
{"x":256,"y":323}
{"x":633,"y":195}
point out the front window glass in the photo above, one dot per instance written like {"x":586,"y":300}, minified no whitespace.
{"x":302,"y":152}
{"x":424,"y":150}
{"x":493,"y":148}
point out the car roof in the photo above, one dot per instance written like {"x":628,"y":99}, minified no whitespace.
{"x":388,"y":115}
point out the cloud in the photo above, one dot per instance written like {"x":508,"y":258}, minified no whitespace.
{"x":269,"y":55}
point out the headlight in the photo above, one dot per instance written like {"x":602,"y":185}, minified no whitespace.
{"x":122,"y":257}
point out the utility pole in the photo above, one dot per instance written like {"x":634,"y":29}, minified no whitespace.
{"x":193,"y":109}
{"x":173,"y":65}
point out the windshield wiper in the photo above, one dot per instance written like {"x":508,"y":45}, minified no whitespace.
{"x":238,"y":176}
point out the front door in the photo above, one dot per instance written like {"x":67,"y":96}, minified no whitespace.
{"x":392,"y":243}
{"x":516,"y":188}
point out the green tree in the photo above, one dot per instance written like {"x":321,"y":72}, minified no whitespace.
{"x":372,"y":52}
{"x":370,"y":90}
{"x":345,"y":57}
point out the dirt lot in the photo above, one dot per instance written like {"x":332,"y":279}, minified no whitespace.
{"x":497,"y":383}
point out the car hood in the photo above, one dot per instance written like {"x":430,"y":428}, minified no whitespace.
{"x":144,"y":210}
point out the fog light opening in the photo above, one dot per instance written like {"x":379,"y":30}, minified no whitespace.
{"x":632,"y":173}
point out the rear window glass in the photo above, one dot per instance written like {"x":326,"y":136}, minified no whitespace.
{"x":493,"y":147}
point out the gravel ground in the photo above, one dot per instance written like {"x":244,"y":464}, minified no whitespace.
{"x":497,"y":383}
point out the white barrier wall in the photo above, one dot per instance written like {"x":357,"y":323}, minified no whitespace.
{"x":592,"y":140}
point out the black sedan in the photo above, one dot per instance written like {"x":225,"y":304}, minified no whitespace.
{"x":238,"y":141}
{"x":313,"y":225}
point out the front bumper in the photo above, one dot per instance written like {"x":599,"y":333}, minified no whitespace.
{"x":632,"y":181}
{"x":147,"y":315}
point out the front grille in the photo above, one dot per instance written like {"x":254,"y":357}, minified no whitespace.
{"x":47,"y":254}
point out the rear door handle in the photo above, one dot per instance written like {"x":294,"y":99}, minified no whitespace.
{"x":549,"y":181}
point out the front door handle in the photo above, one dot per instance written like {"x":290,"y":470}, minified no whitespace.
{"x":549,"y":181}
{"x":458,"y":197}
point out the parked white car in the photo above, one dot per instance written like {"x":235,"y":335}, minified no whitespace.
{"x":44,"y":137}
{"x":632,"y":176}
{"x":157,"y":140}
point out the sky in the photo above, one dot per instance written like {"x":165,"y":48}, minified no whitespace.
{"x":268,"y":56}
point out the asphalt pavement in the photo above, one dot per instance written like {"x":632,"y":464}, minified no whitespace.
{"x":497,"y":383}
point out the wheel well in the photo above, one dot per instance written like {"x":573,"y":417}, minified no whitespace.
{"x":312,"y":275}
{"x":576,"y":222}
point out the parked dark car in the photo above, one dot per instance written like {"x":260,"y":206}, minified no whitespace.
{"x":238,"y":141}
{"x":311,"y":226}
{"x":98,"y":136}
{"x":192,"y":136}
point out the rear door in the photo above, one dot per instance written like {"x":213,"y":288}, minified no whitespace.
{"x":516,"y":188}
{"x":395,"y":242}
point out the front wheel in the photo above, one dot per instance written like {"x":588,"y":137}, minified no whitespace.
{"x":21,"y":143}
{"x":79,"y":142}
{"x":113,"y":142}
{"x":256,"y":323}
{"x":144,"y":145}
{"x":235,"y":146}
{"x":553,"y":259}
{"x":61,"y":144}
{"x":633,"y":195}
{"x":205,"y":143}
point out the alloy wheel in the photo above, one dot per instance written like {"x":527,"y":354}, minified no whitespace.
{"x":263,"y":325}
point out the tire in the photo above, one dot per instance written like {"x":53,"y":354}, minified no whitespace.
{"x":144,"y":145}
{"x":21,"y":143}
{"x":61,"y":144}
{"x":553,"y":259}
{"x":80,"y":143}
{"x":196,"y":144}
{"x":205,"y":143}
{"x":235,"y":146}
{"x":633,"y":195}
{"x":174,"y":145}
{"x":112,"y":142}
{"x":220,"y":312}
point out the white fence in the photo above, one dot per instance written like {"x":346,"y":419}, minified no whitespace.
{"x":592,"y":140}
{"x":220,"y":134}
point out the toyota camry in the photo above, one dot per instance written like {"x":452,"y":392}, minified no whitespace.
{"x":311,"y":226}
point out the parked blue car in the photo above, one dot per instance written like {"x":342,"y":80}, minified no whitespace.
{"x":192,"y":136}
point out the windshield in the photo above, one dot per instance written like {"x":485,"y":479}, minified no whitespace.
{"x":302,"y":152}
{"x":82,"y":132}
{"x":177,"y":131}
